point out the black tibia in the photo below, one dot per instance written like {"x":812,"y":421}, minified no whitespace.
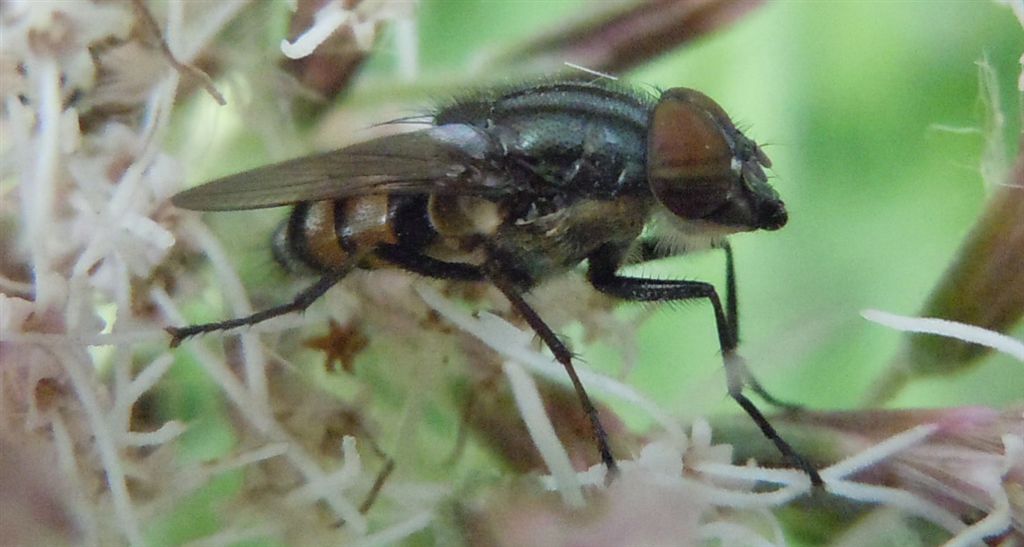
{"x":603,"y":277}
{"x":500,"y":276}
{"x":301,"y":301}
{"x":731,"y":306}
{"x":419,"y":263}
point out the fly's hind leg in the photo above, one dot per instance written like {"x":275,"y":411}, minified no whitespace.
{"x":603,"y":276}
{"x":301,"y":301}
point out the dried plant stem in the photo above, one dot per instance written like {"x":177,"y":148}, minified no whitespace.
{"x":75,"y":362}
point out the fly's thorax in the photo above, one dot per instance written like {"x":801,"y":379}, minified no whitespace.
{"x":577,"y":137}
{"x":547,"y":245}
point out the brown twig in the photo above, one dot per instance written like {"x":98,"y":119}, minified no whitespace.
{"x":150,"y":26}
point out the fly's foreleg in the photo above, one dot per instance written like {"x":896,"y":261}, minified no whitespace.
{"x":602,"y":275}
{"x":649,"y":249}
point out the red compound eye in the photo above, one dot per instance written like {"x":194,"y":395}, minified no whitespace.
{"x":690,"y":156}
{"x":700,"y":167}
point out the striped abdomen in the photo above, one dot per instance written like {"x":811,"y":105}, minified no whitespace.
{"x":323,"y":235}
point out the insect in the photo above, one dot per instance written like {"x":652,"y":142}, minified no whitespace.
{"x":520,"y":184}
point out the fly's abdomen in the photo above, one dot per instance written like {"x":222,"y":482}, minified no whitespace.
{"x":324,"y":235}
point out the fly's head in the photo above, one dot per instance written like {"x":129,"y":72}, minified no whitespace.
{"x":705,"y":172}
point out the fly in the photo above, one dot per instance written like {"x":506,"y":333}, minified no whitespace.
{"x":517,"y":185}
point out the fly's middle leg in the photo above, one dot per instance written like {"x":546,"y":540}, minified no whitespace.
{"x":501,"y":278}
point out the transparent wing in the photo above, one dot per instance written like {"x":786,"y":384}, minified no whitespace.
{"x":447,"y":159}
